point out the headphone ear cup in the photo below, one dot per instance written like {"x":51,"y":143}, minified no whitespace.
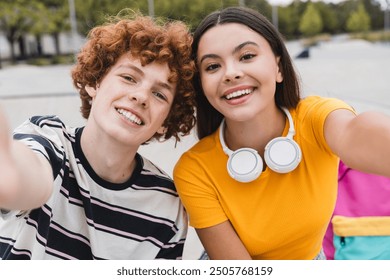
{"x":282,"y":154}
{"x":245,"y":165}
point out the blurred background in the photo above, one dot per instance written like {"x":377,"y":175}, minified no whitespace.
{"x":339,"y":48}
{"x":36,"y":30}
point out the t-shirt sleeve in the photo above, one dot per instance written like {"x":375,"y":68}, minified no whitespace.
{"x":314,"y":111}
{"x":38,"y":133}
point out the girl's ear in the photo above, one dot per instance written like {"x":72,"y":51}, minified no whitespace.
{"x":279,"y":74}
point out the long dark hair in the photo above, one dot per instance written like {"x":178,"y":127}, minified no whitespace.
{"x":287,"y":92}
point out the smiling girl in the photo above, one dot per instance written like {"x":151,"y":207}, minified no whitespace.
{"x":262,"y":181}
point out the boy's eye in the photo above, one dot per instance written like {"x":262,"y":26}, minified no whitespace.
{"x":159,"y":95}
{"x":129,"y":78}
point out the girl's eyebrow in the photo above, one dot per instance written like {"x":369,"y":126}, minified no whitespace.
{"x":236,"y":49}
{"x":208,"y":56}
{"x":240,"y":46}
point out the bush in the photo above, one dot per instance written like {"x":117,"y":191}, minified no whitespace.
{"x":378,"y":36}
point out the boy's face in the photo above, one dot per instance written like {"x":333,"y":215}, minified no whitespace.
{"x":132,"y":101}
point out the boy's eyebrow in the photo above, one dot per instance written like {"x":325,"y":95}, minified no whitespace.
{"x":131,"y":66}
{"x":236,"y":49}
{"x":165,"y":85}
{"x":140,"y":72}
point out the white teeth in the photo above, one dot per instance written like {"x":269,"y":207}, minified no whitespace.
{"x":238,"y":93}
{"x":129,"y":116}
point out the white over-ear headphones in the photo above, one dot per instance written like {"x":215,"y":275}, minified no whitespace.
{"x":281,"y":154}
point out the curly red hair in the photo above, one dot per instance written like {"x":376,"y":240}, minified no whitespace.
{"x":150,"y":41}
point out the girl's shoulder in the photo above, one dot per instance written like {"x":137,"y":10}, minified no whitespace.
{"x":315,"y":106}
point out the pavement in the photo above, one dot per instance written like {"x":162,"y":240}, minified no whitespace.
{"x":357,"y":72}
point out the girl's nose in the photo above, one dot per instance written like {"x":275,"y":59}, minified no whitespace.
{"x":232,"y":73}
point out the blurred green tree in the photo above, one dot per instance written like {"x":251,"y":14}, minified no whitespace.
{"x":18,"y":18}
{"x":359,"y":20}
{"x":311,"y":21}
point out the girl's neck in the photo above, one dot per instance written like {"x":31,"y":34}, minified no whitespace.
{"x":255,"y":133}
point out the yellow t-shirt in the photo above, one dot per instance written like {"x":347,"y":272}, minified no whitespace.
{"x":277,"y":216}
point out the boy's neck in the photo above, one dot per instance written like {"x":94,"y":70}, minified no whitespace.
{"x":110,"y":160}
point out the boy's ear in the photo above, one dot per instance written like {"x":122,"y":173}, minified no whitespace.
{"x":162,"y":130}
{"x":91,"y":91}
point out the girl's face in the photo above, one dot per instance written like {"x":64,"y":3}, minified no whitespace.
{"x":238,"y":71}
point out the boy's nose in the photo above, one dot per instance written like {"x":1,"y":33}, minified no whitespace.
{"x":139,"y":96}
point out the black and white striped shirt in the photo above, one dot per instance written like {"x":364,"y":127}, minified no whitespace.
{"x":87,"y":217}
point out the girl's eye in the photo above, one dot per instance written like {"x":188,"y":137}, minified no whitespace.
{"x":247,"y":56}
{"x":212,"y":67}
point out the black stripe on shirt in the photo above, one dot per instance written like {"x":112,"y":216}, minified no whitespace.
{"x":102,"y":214}
{"x":66,"y":245}
{"x":49,"y":120}
{"x":57,"y":240}
{"x":121,"y":221}
{"x":172,"y":253}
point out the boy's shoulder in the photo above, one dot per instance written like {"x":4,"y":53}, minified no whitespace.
{"x":50,"y":120}
{"x":42,"y":123}
{"x":49,"y":127}
{"x":154,"y":176}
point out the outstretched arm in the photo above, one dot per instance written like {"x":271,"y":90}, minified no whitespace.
{"x":25,"y":177}
{"x":362,"y":142}
{"x":222,"y":243}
